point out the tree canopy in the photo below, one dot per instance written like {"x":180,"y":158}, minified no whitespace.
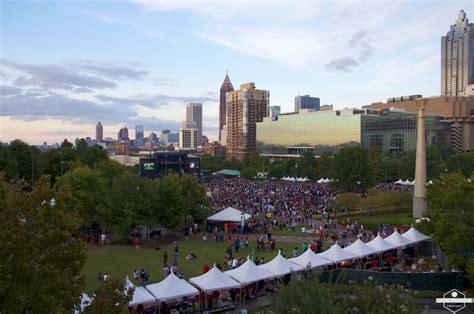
{"x":40,"y":257}
{"x":351,"y":169}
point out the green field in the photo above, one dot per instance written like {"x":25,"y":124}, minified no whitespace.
{"x":372,"y":221}
{"x":119,"y":260}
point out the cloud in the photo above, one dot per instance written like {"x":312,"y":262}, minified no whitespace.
{"x":357,"y":37}
{"x":56,"y":77}
{"x":114,"y":71}
{"x":346,"y":64}
{"x":7,"y":91}
{"x":167,"y":82}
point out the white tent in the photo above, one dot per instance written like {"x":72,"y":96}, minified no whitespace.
{"x":411,"y":182}
{"x":336,"y":254}
{"x":228,"y":214}
{"x":310,"y":259}
{"x":214,"y":280}
{"x":306,"y":179}
{"x":415,"y":236}
{"x":283,"y":178}
{"x":248,"y":273}
{"x":380,"y":244}
{"x":396,"y":239}
{"x":85,"y":302}
{"x":360,"y":249}
{"x":320,"y":181}
{"x":172,"y":288}
{"x":279,"y":266}
{"x":406,"y":182}
{"x":140,"y":295}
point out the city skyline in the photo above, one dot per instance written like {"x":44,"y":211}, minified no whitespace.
{"x":83,"y":71}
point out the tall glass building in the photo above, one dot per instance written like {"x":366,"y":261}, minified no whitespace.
{"x":306,"y":102}
{"x":330,"y":131}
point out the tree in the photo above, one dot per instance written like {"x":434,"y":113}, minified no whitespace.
{"x":112,"y":296}
{"x":93,"y":156}
{"x":324,"y":165}
{"x":376,"y":163}
{"x":40,"y":259}
{"x":351,"y":169}
{"x":307,"y":166}
{"x":451,"y":213}
{"x":84,"y":192}
{"x":196,"y":204}
{"x":463,"y":162}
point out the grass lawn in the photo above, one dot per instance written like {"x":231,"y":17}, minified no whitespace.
{"x":371,"y":222}
{"x":119,"y":260}
{"x":297,"y":233}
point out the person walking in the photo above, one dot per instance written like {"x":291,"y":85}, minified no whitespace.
{"x":136,"y":275}
{"x":143,"y":276}
{"x":136,"y":244}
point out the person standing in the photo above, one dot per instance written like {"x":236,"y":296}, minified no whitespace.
{"x":136,"y":275}
{"x":175,"y":256}
{"x":165,"y":258}
{"x":205,"y":268}
{"x":136,"y":244}
{"x":143,"y":276}
{"x":103,"y":238}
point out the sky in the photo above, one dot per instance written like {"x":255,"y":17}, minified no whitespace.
{"x":64,"y":65}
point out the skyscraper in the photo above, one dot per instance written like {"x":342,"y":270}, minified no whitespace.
{"x":194,"y":113}
{"x":188,"y":138}
{"x":99,"y":132}
{"x":225,"y":88}
{"x":123,"y":134}
{"x":245,"y":107}
{"x":457,"y":57}
{"x":306,"y":102}
{"x":138,"y":132}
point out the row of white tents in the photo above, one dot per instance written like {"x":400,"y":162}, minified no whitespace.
{"x":295,"y":179}
{"x":408,"y":182}
{"x":173,"y":288}
{"x":305,"y":179}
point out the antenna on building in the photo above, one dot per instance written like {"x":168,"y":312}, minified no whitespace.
{"x":226,"y":72}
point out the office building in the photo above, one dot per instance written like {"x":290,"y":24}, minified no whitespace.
{"x":457,"y":57}
{"x":326,"y":108}
{"x":189,"y":125}
{"x":188,"y":138}
{"x":245,"y":107}
{"x":138,"y":132}
{"x":173,"y":137}
{"x":153,"y":137}
{"x":99,"y":132}
{"x":459,"y":111}
{"x":215,"y":150}
{"x":275,"y":111}
{"x":392,"y":131}
{"x":122,"y":135}
{"x":225,"y":88}
{"x":194,"y":113}
{"x":306,"y":102}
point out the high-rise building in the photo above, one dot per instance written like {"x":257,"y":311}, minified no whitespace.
{"x":457,"y":57}
{"x":99,"y":132}
{"x":306,"y":102}
{"x":194,"y":113}
{"x":275,"y":111}
{"x":245,"y":107}
{"x":123,"y":134}
{"x":225,"y":88}
{"x":391,"y":131}
{"x":188,"y":138}
{"x":138,"y":132}
{"x":153,"y":137}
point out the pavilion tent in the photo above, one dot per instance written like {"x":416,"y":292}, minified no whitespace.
{"x":411,"y":182}
{"x":400,"y":181}
{"x":320,"y":181}
{"x":248,"y":273}
{"x":310,"y":259}
{"x":381,"y":245}
{"x":214,"y":280}
{"x":140,"y":295}
{"x":406,"y":182}
{"x":415,"y":236}
{"x":280,"y":266}
{"x":396,"y":239}
{"x":360,"y":249}
{"x":85,"y":302}
{"x":336,"y":254}
{"x":229,"y":214}
{"x":172,"y":288}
